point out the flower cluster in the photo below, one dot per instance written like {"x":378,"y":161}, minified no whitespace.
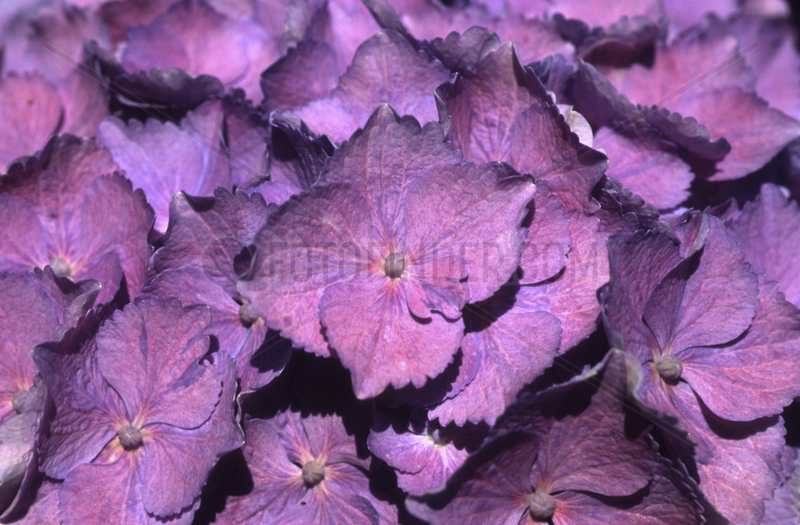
{"x":392,"y":261}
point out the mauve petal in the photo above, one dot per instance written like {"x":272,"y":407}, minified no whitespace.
{"x":378,"y":340}
{"x":572,"y":296}
{"x":312,"y":64}
{"x":707,"y":302}
{"x":647,"y":166}
{"x":149,"y":353}
{"x":311,"y":243}
{"x":162,"y":158}
{"x":471,"y":213}
{"x":327,"y":438}
{"x":737,"y":462}
{"x":190,"y":35}
{"x":525,"y":130}
{"x":23,"y":239}
{"x":94,"y":494}
{"x":88,"y":412}
{"x":385,"y":69}
{"x":31,"y":112}
{"x":758,"y":375}
{"x":496,"y":490}
{"x":548,"y":240}
{"x":768,"y":230}
{"x":176,"y":462}
{"x":518,"y":345}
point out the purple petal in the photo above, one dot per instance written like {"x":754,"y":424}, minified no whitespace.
{"x":32,"y":112}
{"x":754,"y":377}
{"x":149,"y":354}
{"x":385,"y":69}
{"x":548,"y":240}
{"x":769,"y":231}
{"x":378,"y":340}
{"x":525,"y":130}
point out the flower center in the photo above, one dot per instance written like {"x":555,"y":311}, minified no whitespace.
{"x":669,"y":367}
{"x":394,"y":265}
{"x":542,"y":506}
{"x":60,"y":267}
{"x":130,"y":437}
{"x":313,"y":473}
{"x":18,"y":401}
{"x":247,"y":315}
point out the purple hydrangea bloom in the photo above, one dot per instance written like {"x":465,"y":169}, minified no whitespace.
{"x":715,"y":345}
{"x":205,"y":250}
{"x":136,"y":408}
{"x":305,"y":470}
{"x":576,"y":453}
{"x":387,"y":253}
{"x":51,"y":207}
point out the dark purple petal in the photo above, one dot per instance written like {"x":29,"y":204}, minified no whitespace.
{"x":524,"y":129}
{"x":163,"y":343}
{"x":311,"y":64}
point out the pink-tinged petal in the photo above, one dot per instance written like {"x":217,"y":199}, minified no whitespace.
{"x":246,"y":135}
{"x":473,"y":213}
{"x":647,"y":167}
{"x":696,"y":63}
{"x":191,"y":36}
{"x":497,"y":490}
{"x":755,"y":131}
{"x":704,"y":302}
{"x":525,"y":130}
{"x":518,"y":344}
{"x":175,"y":462}
{"x":162,"y":158}
{"x":572,"y":296}
{"x":534,"y":38}
{"x":422,"y":461}
{"x":756,"y":376}
{"x":85,"y":98}
{"x":103,"y":493}
{"x":31,"y":111}
{"x":23,"y":239}
{"x":150,"y":352}
{"x":737,"y":462}
{"x":277,"y":482}
{"x":386,"y":70}
{"x":50,"y":39}
{"x":782,"y":509}
{"x":768,"y":230}
{"x":88,"y":412}
{"x":327,"y":438}
{"x":312,"y":242}
{"x":548,"y":240}
{"x":379,"y":341}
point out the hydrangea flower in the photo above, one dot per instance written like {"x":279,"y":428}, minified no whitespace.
{"x":305,"y":470}
{"x":385,"y":254}
{"x":139,"y":419}
{"x":715,"y":344}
